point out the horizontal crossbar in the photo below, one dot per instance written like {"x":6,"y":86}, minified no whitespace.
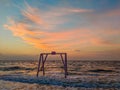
{"x":52,"y":53}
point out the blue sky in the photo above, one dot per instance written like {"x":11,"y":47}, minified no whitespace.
{"x":85,"y":29}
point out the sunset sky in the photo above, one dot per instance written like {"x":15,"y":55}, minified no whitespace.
{"x":85,"y":29}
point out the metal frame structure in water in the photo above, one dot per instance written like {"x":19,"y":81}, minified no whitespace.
{"x":43,"y":58}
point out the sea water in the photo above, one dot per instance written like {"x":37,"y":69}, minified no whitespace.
{"x":82,"y":75}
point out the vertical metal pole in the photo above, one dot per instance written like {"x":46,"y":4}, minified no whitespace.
{"x":45,"y":57}
{"x":43,"y":65}
{"x":44,"y":61}
{"x":62,"y":59}
{"x":39,"y":65}
{"x":66,"y":73}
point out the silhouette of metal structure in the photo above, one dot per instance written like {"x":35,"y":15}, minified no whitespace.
{"x":43,"y":58}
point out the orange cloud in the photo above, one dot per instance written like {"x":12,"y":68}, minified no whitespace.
{"x":41,"y":29}
{"x":18,"y":29}
{"x":64,"y":39}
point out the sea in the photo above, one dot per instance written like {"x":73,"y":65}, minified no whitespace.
{"x":82,"y":75}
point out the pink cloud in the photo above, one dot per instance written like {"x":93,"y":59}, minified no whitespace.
{"x":39,"y":33}
{"x":18,"y":29}
{"x":113,"y":13}
{"x":66,"y":11}
{"x":64,"y":39}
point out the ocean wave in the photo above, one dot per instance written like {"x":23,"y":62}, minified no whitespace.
{"x":15,"y":68}
{"x":59,"y":82}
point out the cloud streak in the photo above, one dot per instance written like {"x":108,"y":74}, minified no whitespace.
{"x":41,"y":29}
{"x":37,"y":30}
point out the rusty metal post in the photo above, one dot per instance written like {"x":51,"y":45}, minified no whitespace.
{"x":43,"y":69}
{"x":66,"y":73}
{"x":39,"y":65}
{"x":62,"y":59}
{"x":44,"y":60}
